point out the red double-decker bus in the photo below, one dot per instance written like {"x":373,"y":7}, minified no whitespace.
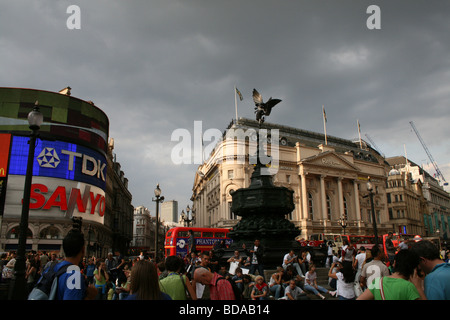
{"x":321,"y":239}
{"x":177,"y":239}
{"x":363,"y":241}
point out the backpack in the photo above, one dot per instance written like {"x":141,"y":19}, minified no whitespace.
{"x":237,"y":293}
{"x":46,"y":287}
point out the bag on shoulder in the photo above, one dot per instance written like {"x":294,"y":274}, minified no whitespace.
{"x":237,"y":293}
{"x":46,"y":287}
{"x":188,"y":295}
{"x":7,"y":273}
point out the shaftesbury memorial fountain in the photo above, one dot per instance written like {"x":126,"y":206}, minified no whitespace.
{"x":263,"y":206}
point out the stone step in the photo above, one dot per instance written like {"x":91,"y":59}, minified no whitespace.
{"x":322,"y":280}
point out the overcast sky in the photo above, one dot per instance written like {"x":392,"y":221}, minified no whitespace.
{"x":156,"y":66}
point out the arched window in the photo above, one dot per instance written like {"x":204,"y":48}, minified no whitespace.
{"x":14,"y":233}
{"x":50,"y":232}
{"x":345,"y":208}
{"x":328,"y":207}
{"x":310,"y":206}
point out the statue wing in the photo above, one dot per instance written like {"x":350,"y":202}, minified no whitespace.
{"x":257,"y":98}
{"x":270,"y":104}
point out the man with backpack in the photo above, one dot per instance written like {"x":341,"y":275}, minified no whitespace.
{"x":70,"y":281}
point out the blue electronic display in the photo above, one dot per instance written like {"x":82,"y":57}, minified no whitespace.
{"x":58,"y":159}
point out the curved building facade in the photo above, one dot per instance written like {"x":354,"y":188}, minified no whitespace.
{"x":69,"y":171}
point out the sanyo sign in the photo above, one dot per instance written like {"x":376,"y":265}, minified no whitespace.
{"x":55,"y":198}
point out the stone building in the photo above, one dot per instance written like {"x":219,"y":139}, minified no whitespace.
{"x":328,"y":179}
{"x":75,"y":174}
{"x":436,"y":214}
{"x":406,"y":203}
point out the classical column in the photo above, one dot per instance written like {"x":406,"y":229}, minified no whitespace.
{"x":340,"y":197}
{"x":323,"y":198}
{"x":357,"y":204}
{"x":304,"y":214}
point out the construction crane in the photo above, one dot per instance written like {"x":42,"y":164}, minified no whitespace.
{"x":438,"y":171}
{"x":374,"y":145}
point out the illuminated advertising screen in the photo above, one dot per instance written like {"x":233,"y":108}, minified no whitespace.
{"x":58,"y":159}
{"x":65,"y":117}
{"x":5,"y":141}
{"x":56,"y":198}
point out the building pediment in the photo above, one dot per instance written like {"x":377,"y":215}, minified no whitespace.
{"x":329,"y":160}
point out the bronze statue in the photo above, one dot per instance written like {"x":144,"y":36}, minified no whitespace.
{"x":263,"y":109}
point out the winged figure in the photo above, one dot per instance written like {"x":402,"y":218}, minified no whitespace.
{"x":262,"y":108}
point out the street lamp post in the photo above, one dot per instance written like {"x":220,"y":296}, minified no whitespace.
{"x":372,"y":208}
{"x":185,"y":217}
{"x":343,"y":222}
{"x":19,"y":291}
{"x":158,"y":198}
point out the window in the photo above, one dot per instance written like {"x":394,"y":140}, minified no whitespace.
{"x":289,"y":216}
{"x":230,"y":174}
{"x":310,"y":206}
{"x":220,"y":235}
{"x":345,"y":208}
{"x":328,"y":207}
{"x":50,"y":233}
{"x":288,"y":178}
{"x":232,"y":215}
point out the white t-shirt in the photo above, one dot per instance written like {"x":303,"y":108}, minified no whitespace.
{"x":361,"y":257}
{"x":344,"y":289}
{"x":348,"y":253}
{"x":287,"y":257}
{"x":297,"y":291}
{"x":310,"y":278}
{"x":330,"y":250}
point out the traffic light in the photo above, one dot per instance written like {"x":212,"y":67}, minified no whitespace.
{"x":77,"y":222}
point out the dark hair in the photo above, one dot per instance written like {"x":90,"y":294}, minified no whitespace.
{"x":144,"y":281}
{"x":405,"y":262}
{"x":174,"y":263}
{"x":426,"y":249}
{"x":73,"y":243}
{"x":375,"y":251}
{"x":161,"y":266}
{"x":347,"y":272}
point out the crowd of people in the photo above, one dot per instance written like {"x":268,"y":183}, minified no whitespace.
{"x":419,"y":271}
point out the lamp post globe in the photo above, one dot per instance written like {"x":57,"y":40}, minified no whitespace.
{"x":158,"y":198}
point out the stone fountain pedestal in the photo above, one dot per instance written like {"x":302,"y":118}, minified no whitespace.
{"x":263,"y":208}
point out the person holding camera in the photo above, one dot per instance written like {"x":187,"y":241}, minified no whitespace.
{"x":291,"y":259}
{"x":101,"y":277}
{"x":345,"y":278}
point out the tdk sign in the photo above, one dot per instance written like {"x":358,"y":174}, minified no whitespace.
{"x":60,"y":159}
{"x":90,"y":165}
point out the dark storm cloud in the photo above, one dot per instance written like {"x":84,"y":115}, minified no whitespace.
{"x":155,"y":66}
